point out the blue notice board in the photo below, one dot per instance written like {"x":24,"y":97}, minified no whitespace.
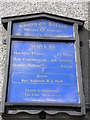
{"x":43,"y":72}
{"x":43,"y":28}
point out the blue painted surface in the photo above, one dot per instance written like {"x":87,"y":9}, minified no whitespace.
{"x":43,"y":72}
{"x":43,"y":28}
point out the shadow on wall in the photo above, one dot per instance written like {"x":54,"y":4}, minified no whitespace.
{"x":84,"y":35}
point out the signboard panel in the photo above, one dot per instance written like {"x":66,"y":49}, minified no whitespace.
{"x":43,"y":28}
{"x":43,"y":72}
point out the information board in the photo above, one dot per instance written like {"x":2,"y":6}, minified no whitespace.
{"x":43,"y":28}
{"x":43,"y":72}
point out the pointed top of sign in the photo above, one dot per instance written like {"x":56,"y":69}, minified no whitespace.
{"x":49,"y":16}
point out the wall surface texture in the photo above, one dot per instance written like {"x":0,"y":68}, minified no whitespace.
{"x":77,"y":10}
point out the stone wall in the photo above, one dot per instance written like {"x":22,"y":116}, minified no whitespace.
{"x":77,"y":10}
